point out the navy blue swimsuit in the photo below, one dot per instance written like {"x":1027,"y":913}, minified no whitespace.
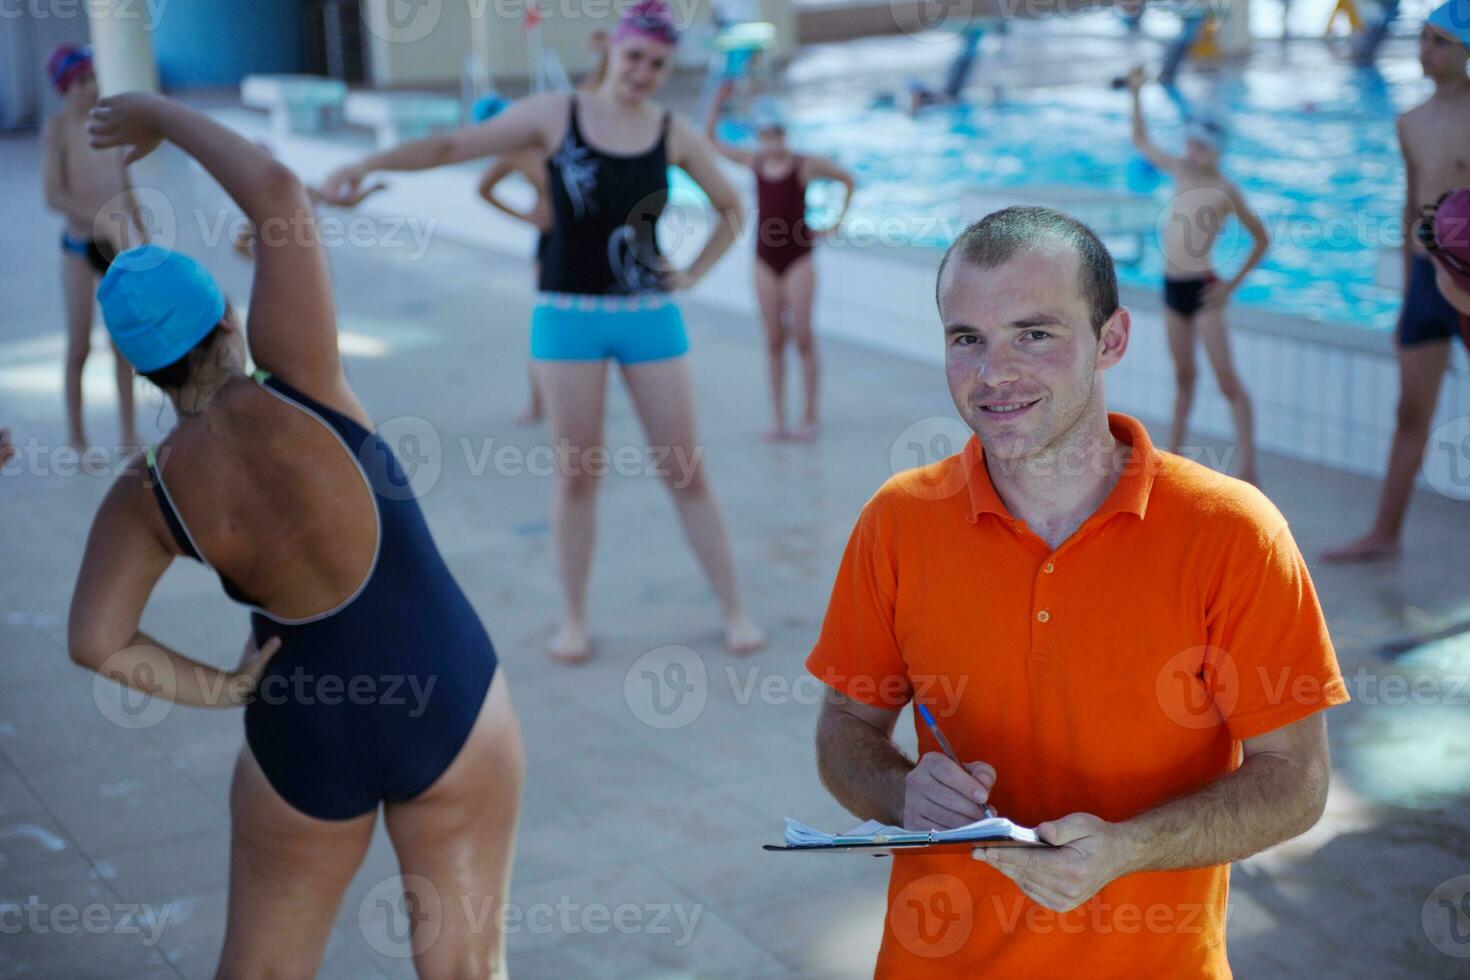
{"x":373,"y":700}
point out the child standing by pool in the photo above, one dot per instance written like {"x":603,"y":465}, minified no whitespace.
{"x":90,"y":189}
{"x":1435,"y":139}
{"x":785,"y":281}
{"x":1195,"y":299}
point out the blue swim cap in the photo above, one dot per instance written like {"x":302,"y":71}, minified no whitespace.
{"x":487,"y":106}
{"x":158,"y":304}
{"x":766,"y":113}
{"x":1452,"y":18}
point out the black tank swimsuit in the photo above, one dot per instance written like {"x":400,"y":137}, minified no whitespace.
{"x":605,"y":207}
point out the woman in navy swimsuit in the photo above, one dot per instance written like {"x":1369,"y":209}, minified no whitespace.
{"x":367,"y":680}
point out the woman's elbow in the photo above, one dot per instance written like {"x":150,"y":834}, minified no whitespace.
{"x":279,"y":183}
{"x":83,"y":650}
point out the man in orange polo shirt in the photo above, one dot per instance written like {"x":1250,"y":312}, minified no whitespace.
{"x":1133,"y":655}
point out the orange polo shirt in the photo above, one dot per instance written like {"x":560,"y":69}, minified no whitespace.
{"x":1113,"y":674}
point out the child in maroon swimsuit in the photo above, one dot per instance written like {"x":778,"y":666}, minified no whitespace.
{"x":784,"y":277}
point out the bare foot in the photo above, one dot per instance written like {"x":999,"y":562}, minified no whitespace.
{"x":779,"y":434}
{"x":742,"y":636}
{"x":570,"y":645}
{"x":1369,"y":548}
{"x":529,"y":416}
{"x":806,"y":432}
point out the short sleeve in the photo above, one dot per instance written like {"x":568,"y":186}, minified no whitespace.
{"x":857,"y":652}
{"x":1271,"y":660}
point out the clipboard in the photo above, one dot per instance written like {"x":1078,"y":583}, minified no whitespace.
{"x":885,"y":849}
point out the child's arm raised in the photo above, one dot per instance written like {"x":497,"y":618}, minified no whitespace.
{"x":1141,"y":141}
{"x":729,"y":151}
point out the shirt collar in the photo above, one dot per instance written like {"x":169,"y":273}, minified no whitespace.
{"x":1129,"y":494}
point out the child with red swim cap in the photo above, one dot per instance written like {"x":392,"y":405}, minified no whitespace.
{"x":90,"y":189}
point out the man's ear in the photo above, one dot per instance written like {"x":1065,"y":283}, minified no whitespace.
{"x":1113,"y":338}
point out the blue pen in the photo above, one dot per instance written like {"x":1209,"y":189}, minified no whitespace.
{"x":990,"y":811}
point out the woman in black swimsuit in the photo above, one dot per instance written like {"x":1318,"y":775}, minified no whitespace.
{"x":605,"y":293}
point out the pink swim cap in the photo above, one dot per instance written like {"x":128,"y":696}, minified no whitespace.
{"x":67,"y":63}
{"x":1452,"y":234}
{"x":650,"y":19}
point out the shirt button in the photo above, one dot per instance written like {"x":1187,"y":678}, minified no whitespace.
{"x":1048,"y":568}
{"x":1043,"y":616}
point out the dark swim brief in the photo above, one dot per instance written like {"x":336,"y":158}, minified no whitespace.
{"x":99,"y":255}
{"x":1186,"y":296}
{"x":1427,"y":316}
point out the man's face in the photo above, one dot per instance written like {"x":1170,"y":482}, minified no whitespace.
{"x":1020,"y":353}
{"x":1440,"y":55}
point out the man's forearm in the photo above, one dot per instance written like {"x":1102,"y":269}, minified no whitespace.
{"x":1267,"y":800}
{"x":862,"y":769}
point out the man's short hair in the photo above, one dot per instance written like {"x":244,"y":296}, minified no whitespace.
{"x":1001,"y":235}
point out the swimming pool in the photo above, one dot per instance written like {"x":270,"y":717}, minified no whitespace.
{"x":1313,"y":146}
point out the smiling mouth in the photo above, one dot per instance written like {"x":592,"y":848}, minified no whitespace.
{"x":1007,"y":409}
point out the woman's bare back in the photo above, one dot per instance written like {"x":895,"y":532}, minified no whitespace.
{"x":273,"y":500}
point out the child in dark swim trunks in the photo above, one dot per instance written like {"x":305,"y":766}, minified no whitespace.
{"x":1194,"y":297}
{"x":1435,"y":139}
{"x":90,"y":189}
{"x":785,"y":280}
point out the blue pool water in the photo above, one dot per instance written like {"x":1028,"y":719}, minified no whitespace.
{"x":1313,"y":146}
